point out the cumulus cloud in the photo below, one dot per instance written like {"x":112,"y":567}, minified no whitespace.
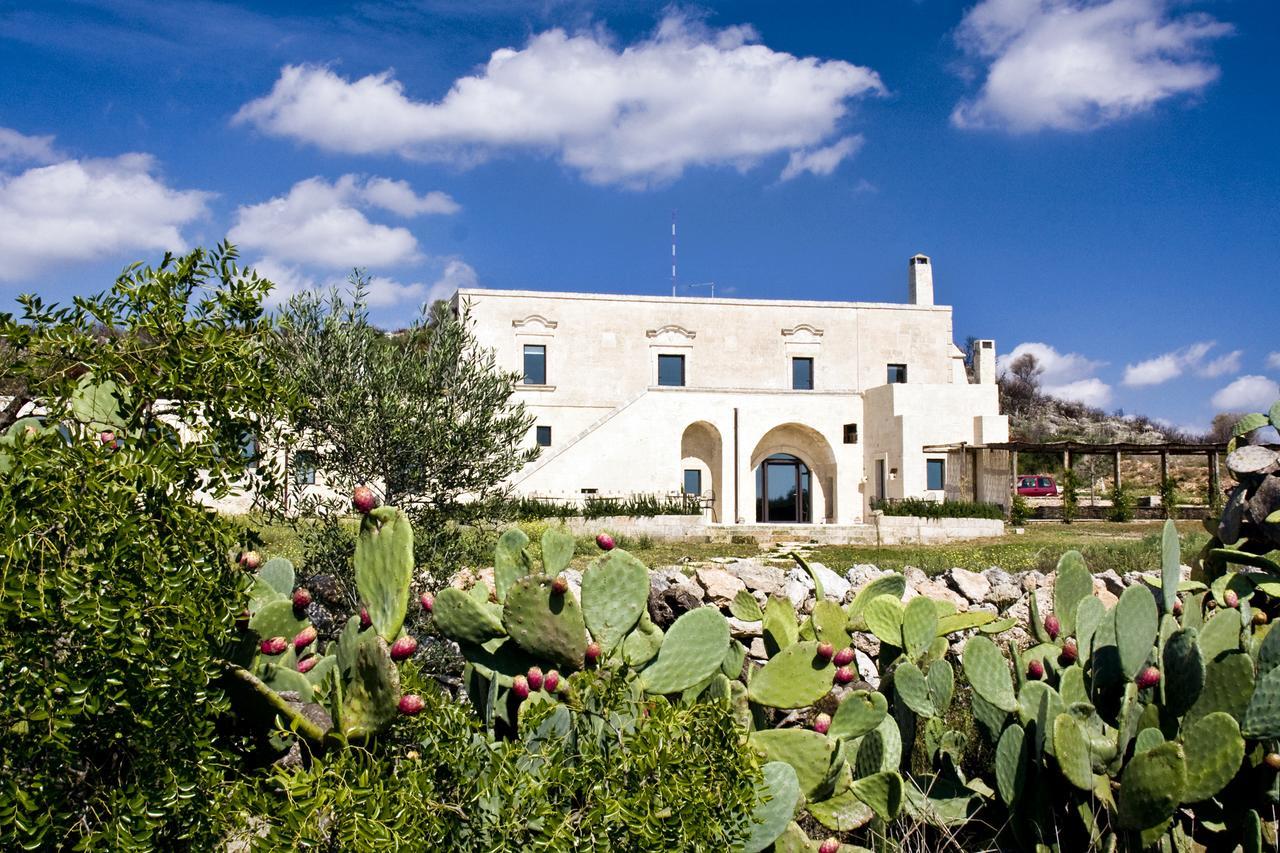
{"x":1170,"y":365}
{"x":1067,"y":376}
{"x":289,"y":281}
{"x":457,"y":274}
{"x":685,"y":96}
{"x":83,"y":210}
{"x":1273,"y":360}
{"x":822,"y":161}
{"x":1247,"y":393}
{"x":321,"y":223}
{"x":17,"y":148}
{"x":1079,"y":64}
{"x":1092,"y":392}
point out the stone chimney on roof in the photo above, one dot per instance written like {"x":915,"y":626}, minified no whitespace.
{"x":919,"y":280}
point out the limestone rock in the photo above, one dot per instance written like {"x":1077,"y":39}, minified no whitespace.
{"x":835,"y":587}
{"x":758,"y":577}
{"x":938,"y":590}
{"x":721,"y":586}
{"x":971,"y":585}
{"x":741,"y":629}
{"x":867,"y":668}
{"x":757,"y":649}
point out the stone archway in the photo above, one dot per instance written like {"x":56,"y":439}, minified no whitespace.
{"x":809,"y":448}
{"x":702,"y":450}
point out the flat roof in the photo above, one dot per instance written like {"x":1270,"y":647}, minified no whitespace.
{"x":691,"y":300}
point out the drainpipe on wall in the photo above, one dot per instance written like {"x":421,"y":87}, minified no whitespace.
{"x":736,"y":515}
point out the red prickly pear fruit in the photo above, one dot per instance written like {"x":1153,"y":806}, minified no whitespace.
{"x":1149,"y":677}
{"x":301,"y":598}
{"x":364,"y":500}
{"x":274,"y":645}
{"x":1260,"y":617}
{"x":605,"y":542}
{"x":251,"y":560}
{"x":831,"y":845}
{"x":308,"y":663}
{"x":428,"y":601}
{"x":242,"y":621}
{"x":107,"y":436}
{"x":403,"y":648}
{"x":365,"y":621}
{"x":1070,"y":651}
{"x":559,"y":586}
{"x":551,"y":681}
{"x":1231,"y":598}
{"x":822,"y":723}
{"x":536,"y":678}
{"x":1052,"y":626}
{"x":305,"y":637}
{"x":844,"y":657}
{"x":520,"y":687}
{"x":826,"y":651}
{"x":1177,"y":607}
{"x":1035,"y":670}
{"x":1273,"y":760}
{"x":845,"y":674}
{"x":593,"y":652}
{"x":410,"y":704}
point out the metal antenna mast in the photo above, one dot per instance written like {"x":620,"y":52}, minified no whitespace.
{"x":673,"y":253}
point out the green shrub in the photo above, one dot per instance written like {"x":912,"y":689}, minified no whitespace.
{"x":919,"y":508}
{"x":1070,"y":484}
{"x":633,"y":506}
{"x":1169,"y":497}
{"x":1019,"y":511}
{"x":1121,"y":503}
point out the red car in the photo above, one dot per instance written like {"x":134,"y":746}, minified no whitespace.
{"x":1037,"y":486}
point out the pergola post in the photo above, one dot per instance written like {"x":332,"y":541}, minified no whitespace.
{"x":1115,"y":466}
{"x":1213,"y":477}
{"x":1164,"y":467}
{"x":973,"y":470}
{"x":1013,"y":481}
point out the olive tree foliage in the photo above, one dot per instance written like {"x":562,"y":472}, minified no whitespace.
{"x":425,"y":416}
{"x":117,"y":594}
{"x":1019,"y":385}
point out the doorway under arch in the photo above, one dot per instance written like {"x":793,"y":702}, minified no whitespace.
{"x":783,"y":490}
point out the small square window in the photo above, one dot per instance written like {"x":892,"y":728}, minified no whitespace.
{"x":850,"y":433}
{"x":897,"y":374}
{"x":937,"y":474}
{"x":802,"y":374}
{"x":544,"y":436}
{"x":692,"y":481}
{"x":671,"y":370}
{"x":304,"y":468}
{"x":535,"y":364}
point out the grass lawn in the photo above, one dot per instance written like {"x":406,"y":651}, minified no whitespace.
{"x":1132,"y":546}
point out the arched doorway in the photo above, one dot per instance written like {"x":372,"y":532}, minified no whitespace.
{"x":783,"y":490}
{"x":700,"y":463}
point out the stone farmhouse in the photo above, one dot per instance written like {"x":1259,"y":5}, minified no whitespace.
{"x":774,"y":411}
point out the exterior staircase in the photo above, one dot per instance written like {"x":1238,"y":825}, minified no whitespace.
{"x":542,"y":461}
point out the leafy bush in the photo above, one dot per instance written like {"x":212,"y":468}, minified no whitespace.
{"x":1169,"y":497}
{"x":1121,"y":503}
{"x":117,"y":596}
{"x":1070,"y":483}
{"x":919,"y":508}
{"x":525,"y":508}
{"x":1019,"y":511}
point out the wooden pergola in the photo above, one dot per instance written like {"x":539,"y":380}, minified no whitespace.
{"x":1072,"y":449}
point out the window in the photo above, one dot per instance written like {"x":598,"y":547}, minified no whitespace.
{"x":544,"y":436}
{"x":692,"y":481}
{"x":802,"y":374}
{"x":897,"y":374}
{"x":671,"y":370}
{"x":304,"y":468}
{"x":249,"y":450}
{"x":937,"y":473}
{"x":1028,"y":483}
{"x":850,"y":433}
{"x":535,"y":364}
{"x":1045,"y":482}
{"x":920,"y":261}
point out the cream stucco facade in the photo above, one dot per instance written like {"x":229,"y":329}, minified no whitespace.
{"x":617,"y":427}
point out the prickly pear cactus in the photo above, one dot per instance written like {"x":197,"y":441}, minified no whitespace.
{"x":384,"y":568}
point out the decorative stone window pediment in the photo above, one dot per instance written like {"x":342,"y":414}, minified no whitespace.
{"x":802,"y":333}
{"x":534,"y":324}
{"x":671,"y":334}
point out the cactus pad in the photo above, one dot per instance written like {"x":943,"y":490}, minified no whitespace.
{"x":1090,"y":614}
{"x":1071,"y":748}
{"x":1012,"y":755}
{"x":881,"y":791}
{"x":810,"y":754}
{"x":894,"y":585}
{"x":370,"y":682}
{"x":842,"y":813}
{"x":880,"y":749}
{"x":859,"y":712}
{"x":643,"y":643}
{"x":829,"y":623}
{"x":615,"y":592}
{"x":1152,"y":786}
{"x":1220,"y":634}
{"x":463,"y":619}
{"x":941,"y":679}
{"x":384,"y":568}
{"x":1136,"y":624}
{"x":510,"y":561}
{"x":1170,"y":566}
{"x":1073,"y":585}
{"x":1262,"y":717}
{"x":988,"y":672}
{"x":910,"y":685}
{"x":777,"y":796}
{"x":919,"y":626}
{"x":780,"y":628}
{"x":557,"y":551}
{"x":550,"y":626}
{"x":883,"y":615}
{"x":1214,"y":750}
{"x":745,"y":607}
{"x":793,"y":678}
{"x":277,"y":619}
{"x":693,"y":649}
{"x":278,"y":574}
{"x":965,"y":621}
{"x":1183,"y":671}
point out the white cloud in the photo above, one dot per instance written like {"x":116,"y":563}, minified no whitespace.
{"x":685,"y":96}
{"x":17,"y":148}
{"x":1171,"y":365}
{"x":289,"y":281}
{"x":1247,"y":393}
{"x":1059,"y":368}
{"x":822,"y":161}
{"x":319,"y":223}
{"x":457,"y":274}
{"x":1092,"y":392}
{"x":1079,"y":64}
{"x":82,"y":210}
{"x":1273,"y":361}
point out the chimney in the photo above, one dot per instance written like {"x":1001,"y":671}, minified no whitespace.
{"x":919,"y":280}
{"x":984,"y":362}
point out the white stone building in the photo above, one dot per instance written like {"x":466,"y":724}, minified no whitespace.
{"x":777,"y":411}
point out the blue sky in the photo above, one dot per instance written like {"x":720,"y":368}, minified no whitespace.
{"x":1096,"y":180}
